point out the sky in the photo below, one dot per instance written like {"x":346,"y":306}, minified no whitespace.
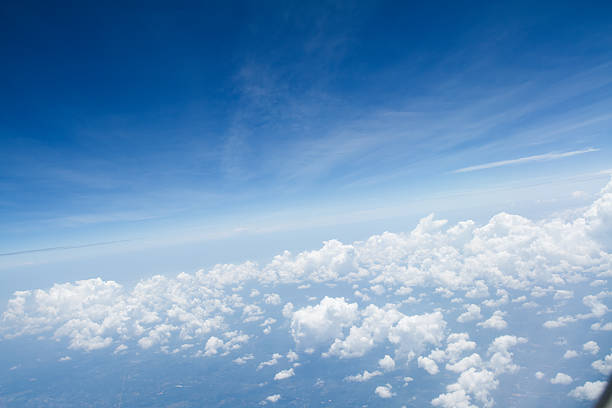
{"x":135,"y":123}
{"x":166,"y":138}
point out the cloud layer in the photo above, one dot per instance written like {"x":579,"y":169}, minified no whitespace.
{"x":478,"y":270}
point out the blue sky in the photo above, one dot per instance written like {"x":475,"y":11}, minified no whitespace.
{"x":198,"y":121}
{"x":331,"y":203}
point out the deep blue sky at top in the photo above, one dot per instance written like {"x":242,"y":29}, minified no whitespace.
{"x":115,"y":116}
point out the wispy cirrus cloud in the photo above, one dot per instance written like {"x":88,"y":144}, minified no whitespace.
{"x":61,"y":248}
{"x":526,"y":159}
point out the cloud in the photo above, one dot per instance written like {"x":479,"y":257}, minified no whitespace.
{"x":292,"y":356}
{"x":273,"y":398}
{"x":365,"y":376}
{"x":272,"y":299}
{"x":209,"y":313}
{"x":62,"y":248}
{"x":428,"y":365}
{"x":501,"y":357}
{"x":591,"y":347}
{"x":384,"y":391}
{"x":526,"y":159}
{"x":284,"y":374}
{"x":496,"y":321}
{"x":243,"y":360}
{"x":561,"y":378}
{"x":472,"y":313}
{"x":570,"y":354}
{"x":313,"y":325}
{"x":374,"y":329}
{"x":271,"y":362}
{"x":412,"y":334}
{"x":386,"y":363}
{"x":589,"y":391}
{"x":603,"y":366}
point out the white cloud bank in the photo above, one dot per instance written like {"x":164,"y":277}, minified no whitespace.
{"x":589,"y":391}
{"x":510,"y":254}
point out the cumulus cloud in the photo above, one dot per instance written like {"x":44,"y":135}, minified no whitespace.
{"x":472,"y":313}
{"x":273,"y":398}
{"x":508,"y":256}
{"x":570,"y":354}
{"x":384,"y":391}
{"x":501,"y":357}
{"x":243,"y":360}
{"x":374,"y":329}
{"x":272,"y":299}
{"x":292,"y":356}
{"x":591,"y":347}
{"x":386,"y":363}
{"x":496,"y":321}
{"x":589,"y":391}
{"x":273,"y":361}
{"x":602,"y":327}
{"x":365,"y":376}
{"x":604,"y":366}
{"x":314,"y":325}
{"x":284,"y":374}
{"x":473,"y":360}
{"x":561,"y":378}
{"x":412,"y":334}
{"x":428,"y":365}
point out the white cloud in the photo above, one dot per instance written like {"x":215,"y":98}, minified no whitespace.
{"x":509,"y":254}
{"x":272,"y":299}
{"x":428,"y":365}
{"x":292,"y":356}
{"x":570,"y":354}
{"x":589,"y":391}
{"x":472,"y":313}
{"x":457,"y":344}
{"x":559,"y":322}
{"x":374,"y":329}
{"x":65,"y":358}
{"x":603,"y":366}
{"x":284,"y":374}
{"x":273,"y":398}
{"x":471,"y":383}
{"x":412,"y":334}
{"x":384,"y":391}
{"x":273,"y":361}
{"x":213,"y":345}
{"x":539,"y":375}
{"x":453,"y":399}
{"x":243,"y":360}
{"x":561,"y":294}
{"x":501,"y":357}
{"x":591,"y":347}
{"x":479,"y":290}
{"x":473,"y":360}
{"x":386,"y":363}
{"x":526,"y":159}
{"x":561,"y":378}
{"x":365,"y":376}
{"x":602,"y":327}
{"x":313,"y":325}
{"x":496,"y":321}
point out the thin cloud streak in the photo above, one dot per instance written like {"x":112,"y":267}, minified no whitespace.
{"x":538,"y":157}
{"x":62,"y":248}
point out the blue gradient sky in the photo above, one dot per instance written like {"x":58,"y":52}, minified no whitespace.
{"x":167,"y":124}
